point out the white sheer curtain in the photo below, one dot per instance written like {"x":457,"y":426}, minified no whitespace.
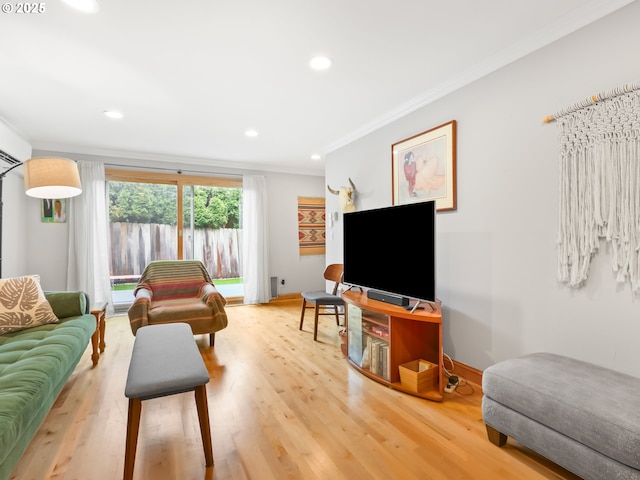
{"x":88,"y":268}
{"x":255,"y":251}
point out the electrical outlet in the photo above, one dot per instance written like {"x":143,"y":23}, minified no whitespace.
{"x":452,"y":384}
{"x":282,"y":282}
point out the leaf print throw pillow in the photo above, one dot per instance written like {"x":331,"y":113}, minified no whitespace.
{"x":23,"y":304}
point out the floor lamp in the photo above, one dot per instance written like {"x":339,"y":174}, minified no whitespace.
{"x":44,"y":177}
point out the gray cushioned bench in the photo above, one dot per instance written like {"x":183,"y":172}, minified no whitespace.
{"x":165,"y":361}
{"x":583,"y":417}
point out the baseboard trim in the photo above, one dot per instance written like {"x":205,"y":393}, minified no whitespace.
{"x":286,"y":296}
{"x":470,"y":374}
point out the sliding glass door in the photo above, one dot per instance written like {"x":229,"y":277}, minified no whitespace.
{"x":144,"y":209}
{"x":142,"y":228}
{"x":211,"y":233}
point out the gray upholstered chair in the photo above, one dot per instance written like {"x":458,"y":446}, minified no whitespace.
{"x":322,"y":302}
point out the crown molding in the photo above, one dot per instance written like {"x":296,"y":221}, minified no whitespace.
{"x":562,"y":27}
{"x":178,"y":162}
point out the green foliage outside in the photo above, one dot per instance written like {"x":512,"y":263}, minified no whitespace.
{"x":213,"y":207}
{"x":142,"y":203}
{"x":217,"y":281}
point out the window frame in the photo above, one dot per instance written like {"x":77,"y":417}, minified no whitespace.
{"x":180,"y":181}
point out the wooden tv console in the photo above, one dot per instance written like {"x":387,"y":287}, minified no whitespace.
{"x":381,"y":337}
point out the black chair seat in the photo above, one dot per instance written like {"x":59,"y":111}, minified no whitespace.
{"x":322,"y":297}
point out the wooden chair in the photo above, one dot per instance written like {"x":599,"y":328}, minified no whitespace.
{"x":321,"y":300}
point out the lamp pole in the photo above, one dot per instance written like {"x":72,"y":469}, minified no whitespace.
{"x":2,"y":175}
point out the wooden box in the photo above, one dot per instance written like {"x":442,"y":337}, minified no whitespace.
{"x":418,"y":375}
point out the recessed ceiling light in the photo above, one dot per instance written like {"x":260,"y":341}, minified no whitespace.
{"x":251,"y":133}
{"x":320,"y":62}
{"x":85,"y":6}
{"x":113,"y":114}
{"x":316,"y":156}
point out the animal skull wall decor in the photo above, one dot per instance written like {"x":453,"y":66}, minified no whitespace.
{"x":347,"y":197}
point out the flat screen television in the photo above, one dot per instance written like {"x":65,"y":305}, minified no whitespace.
{"x":392,"y":250}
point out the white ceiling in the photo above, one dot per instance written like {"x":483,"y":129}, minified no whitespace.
{"x":190,"y":77}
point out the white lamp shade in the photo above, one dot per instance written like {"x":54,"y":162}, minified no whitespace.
{"x":47,"y":177}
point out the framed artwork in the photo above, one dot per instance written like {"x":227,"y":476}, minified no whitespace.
{"x":53,"y":210}
{"x":424,"y":168}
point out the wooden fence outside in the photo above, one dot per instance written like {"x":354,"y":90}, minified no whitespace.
{"x":134,"y":245}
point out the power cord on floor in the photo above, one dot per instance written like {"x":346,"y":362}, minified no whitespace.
{"x":455,"y":383}
{"x":444,"y":367}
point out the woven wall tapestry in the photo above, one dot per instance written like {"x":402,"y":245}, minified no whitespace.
{"x":311,"y":226}
{"x":600,"y":189}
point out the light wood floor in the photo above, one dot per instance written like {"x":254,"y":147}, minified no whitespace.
{"x":282,"y":407}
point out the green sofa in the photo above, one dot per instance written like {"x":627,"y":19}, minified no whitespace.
{"x":35,"y":363}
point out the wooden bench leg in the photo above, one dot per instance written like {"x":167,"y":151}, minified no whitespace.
{"x":102,"y":329}
{"x":95,"y":356}
{"x":133,"y":425}
{"x":205,"y":429}
{"x":100,"y":313}
{"x":496,"y":437}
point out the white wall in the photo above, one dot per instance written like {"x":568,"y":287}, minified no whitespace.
{"x":49,"y":259}
{"x":47,"y":247}
{"x":300,"y":273}
{"x":497,"y":252}
{"x":14,"y":232}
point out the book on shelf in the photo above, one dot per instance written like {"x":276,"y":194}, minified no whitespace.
{"x":378,"y":356}
{"x":380,"y":331}
{"x":385,"y":361}
{"x":375,"y":329}
{"x":374,"y":356}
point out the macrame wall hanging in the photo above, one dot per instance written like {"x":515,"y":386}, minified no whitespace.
{"x":600,"y":185}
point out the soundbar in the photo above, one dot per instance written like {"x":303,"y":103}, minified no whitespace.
{"x":388,"y":298}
